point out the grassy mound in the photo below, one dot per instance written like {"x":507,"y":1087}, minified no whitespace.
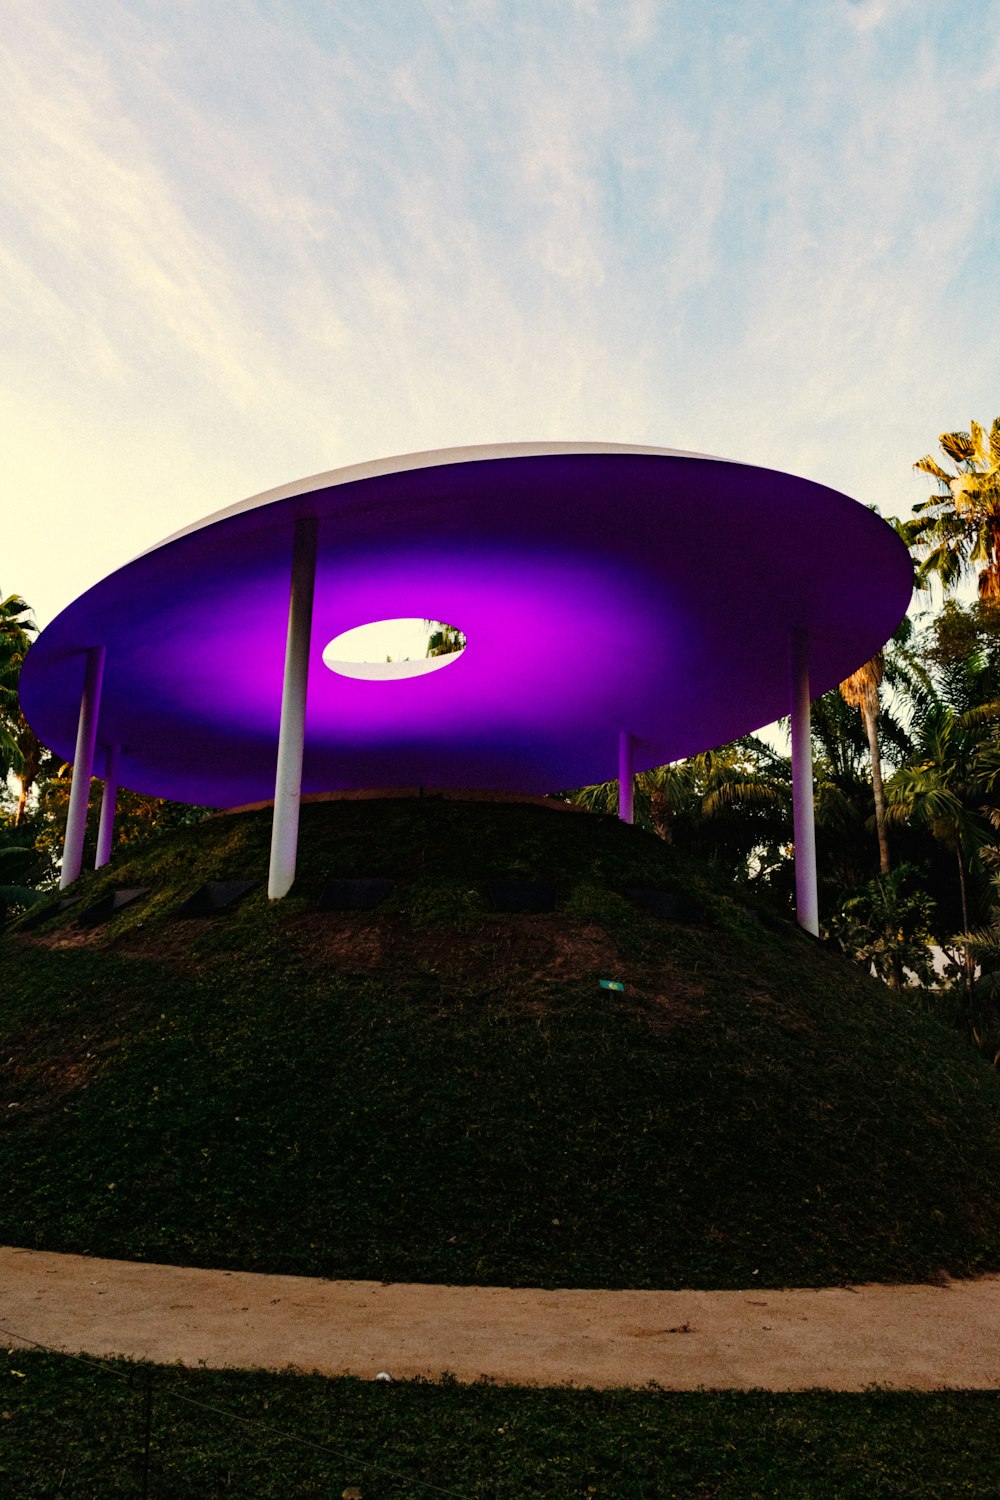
{"x":434,"y":1090}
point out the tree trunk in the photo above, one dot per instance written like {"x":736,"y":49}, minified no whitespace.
{"x":870,"y":718}
{"x":871,"y":729}
{"x":970,"y":963}
{"x":660,"y":816}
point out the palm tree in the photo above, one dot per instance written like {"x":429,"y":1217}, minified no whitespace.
{"x":841,"y":794}
{"x":947,"y":788}
{"x":15,"y":625}
{"x":744,"y":823}
{"x":667,"y":792}
{"x":662,"y":795}
{"x":727,"y":803}
{"x":20,"y":752}
{"x":861,"y":691}
{"x":984,"y":946}
{"x":956,"y":532}
{"x":444,"y":640}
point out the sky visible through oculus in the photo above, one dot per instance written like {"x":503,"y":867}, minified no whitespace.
{"x":411,"y":647}
{"x":242,"y":244}
{"x":384,"y":640}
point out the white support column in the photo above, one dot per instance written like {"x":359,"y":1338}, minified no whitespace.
{"x":804,"y":826}
{"x":83,"y":761}
{"x":626,"y":777}
{"x":109,"y":801}
{"x":291,"y":735}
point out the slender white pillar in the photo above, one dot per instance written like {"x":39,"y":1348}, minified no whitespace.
{"x":83,"y":762}
{"x":804,"y":826}
{"x":109,"y":802}
{"x":292,"y":733}
{"x":626,"y":777}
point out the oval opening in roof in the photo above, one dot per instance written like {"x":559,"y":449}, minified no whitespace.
{"x":388,"y":650}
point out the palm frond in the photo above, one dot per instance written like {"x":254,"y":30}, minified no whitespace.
{"x":978,"y":443}
{"x":958,"y":446}
{"x":749,"y":793}
{"x":929,"y":465}
{"x":995,"y":444}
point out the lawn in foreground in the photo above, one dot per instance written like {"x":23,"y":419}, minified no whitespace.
{"x":72,"y":1428}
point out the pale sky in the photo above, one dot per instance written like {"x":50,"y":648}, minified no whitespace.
{"x":244,"y":243}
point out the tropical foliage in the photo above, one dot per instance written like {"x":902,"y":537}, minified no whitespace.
{"x":21,"y":755}
{"x":861,"y":691}
{"x":956,"y":532}
{"x":906,"y":769}
{"x":887,"y":925}
{"x":443,"y":640}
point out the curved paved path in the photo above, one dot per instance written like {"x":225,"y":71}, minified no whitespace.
{"x":844,"y":1338}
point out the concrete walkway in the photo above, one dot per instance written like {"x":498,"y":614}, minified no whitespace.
{"x":843,"y":1338}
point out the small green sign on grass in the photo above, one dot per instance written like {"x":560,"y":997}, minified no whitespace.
{"x":612,"y":984}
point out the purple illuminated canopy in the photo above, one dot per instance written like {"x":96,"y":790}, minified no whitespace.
{"x":601,"y":588}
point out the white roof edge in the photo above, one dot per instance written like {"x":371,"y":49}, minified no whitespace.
{"x":428,"y":459}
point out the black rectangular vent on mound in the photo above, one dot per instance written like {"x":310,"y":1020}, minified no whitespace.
{"x":353,"y":895}
{"x":110,"y":905}
{"x":523,"y":895}
{"x":671,"y":906}
{"x":38,"y":917}
{"x":213,"y":897}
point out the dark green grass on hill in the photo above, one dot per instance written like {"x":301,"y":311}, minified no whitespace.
{"x":435,"y":1091}
{"x":71,"y":1430}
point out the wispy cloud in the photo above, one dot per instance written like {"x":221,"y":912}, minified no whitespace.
{"x":254,"y":241}
{"x":89,"y":213}
{"x":868,"y":15}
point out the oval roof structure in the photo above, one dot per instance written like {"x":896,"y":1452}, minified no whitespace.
{"x":601,"y":588}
